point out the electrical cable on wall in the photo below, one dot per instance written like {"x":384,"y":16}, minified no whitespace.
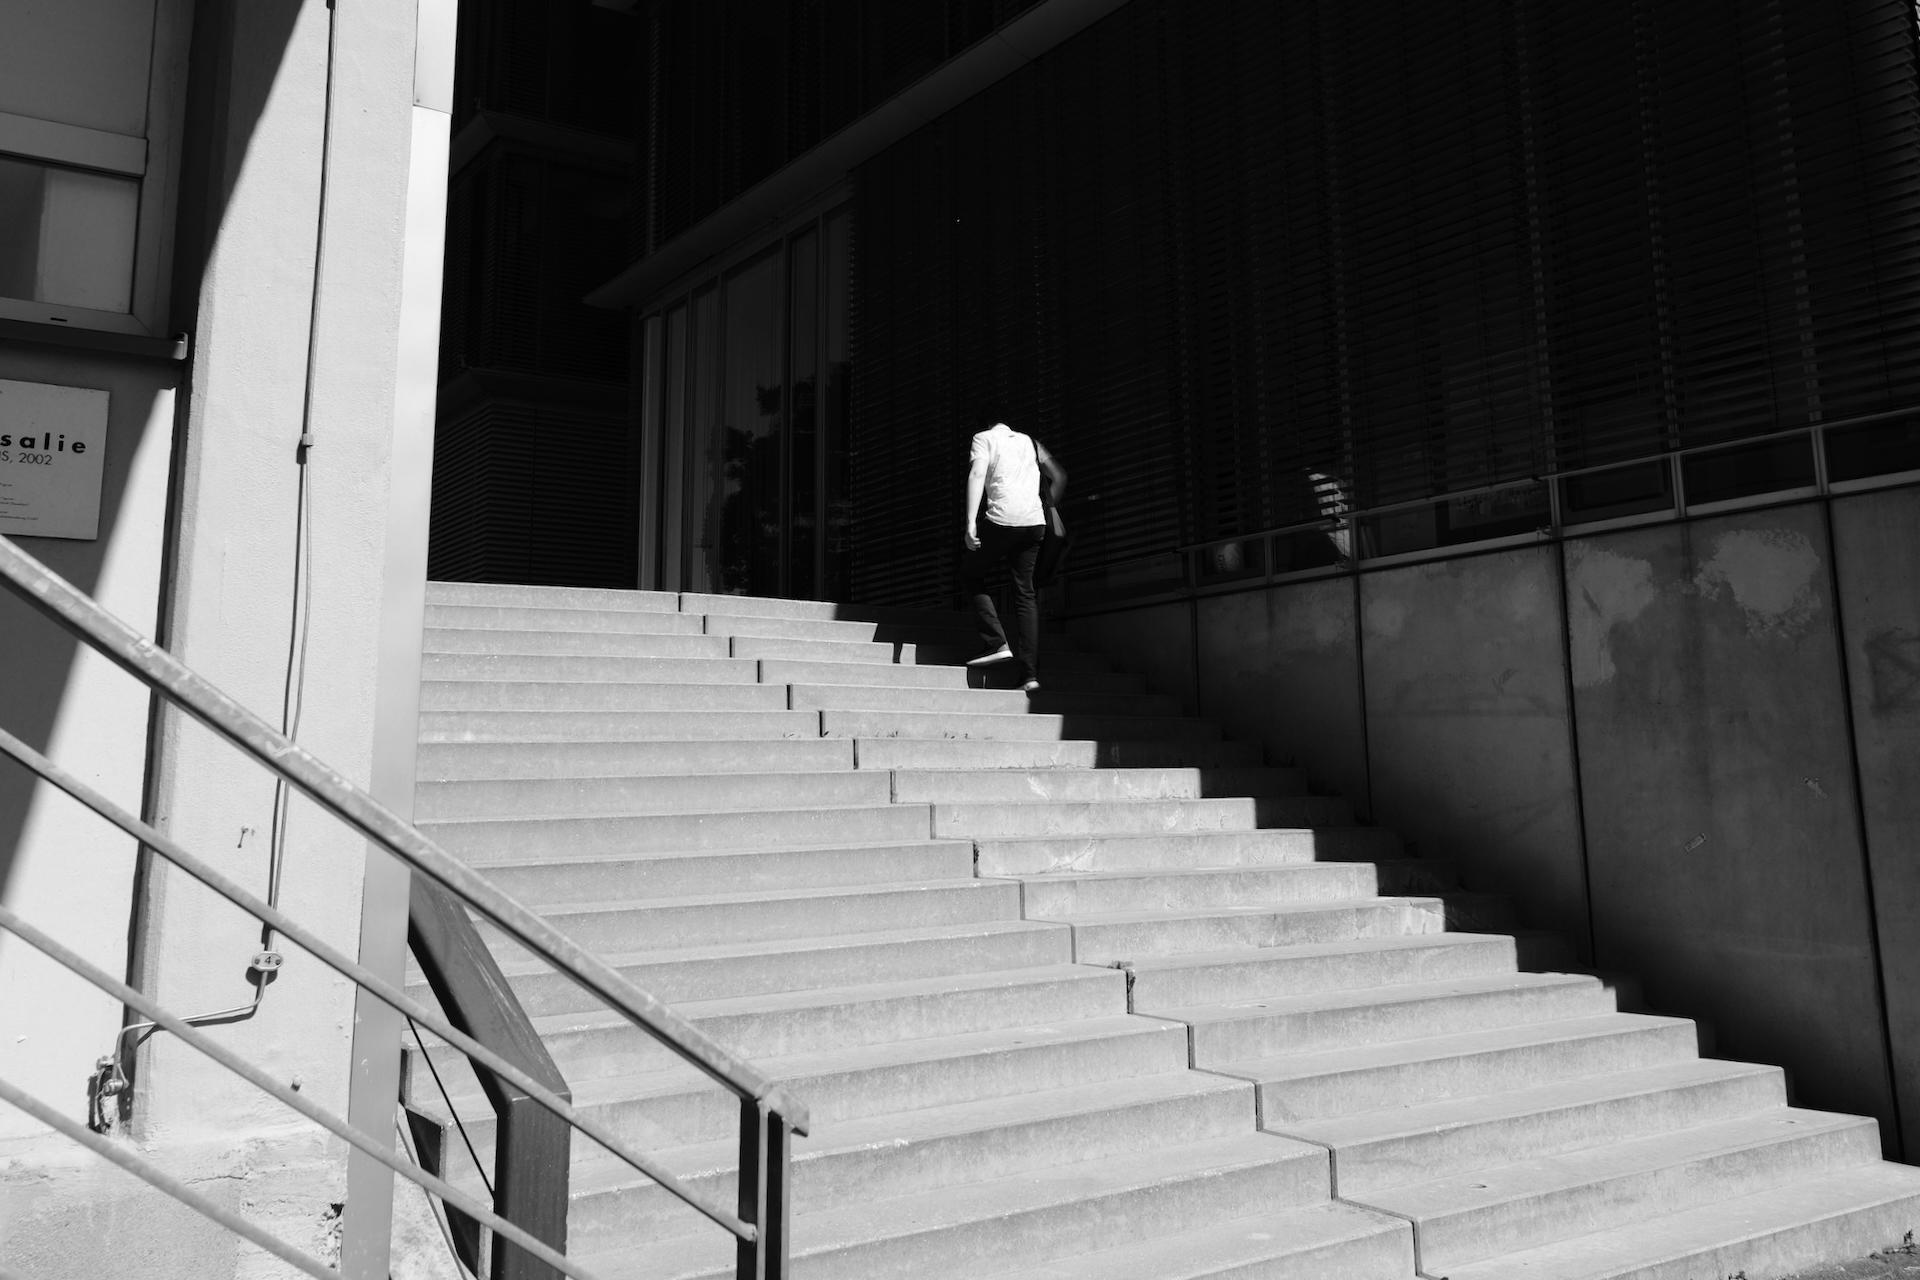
{"x":110,"y":1077}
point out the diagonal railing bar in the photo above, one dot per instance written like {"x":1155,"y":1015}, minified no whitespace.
{"x":448,"y":1193}
{"x":301,"y":936}
{"x":151,"y":1173}
{"x":147,"y":662}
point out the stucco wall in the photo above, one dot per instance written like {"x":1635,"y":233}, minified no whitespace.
{"x":1654,"y":731}
{"x":63,"y":869}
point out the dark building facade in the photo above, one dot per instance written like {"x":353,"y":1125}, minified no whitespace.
{"x":533,"y":479}
{"x":1507,"y":411}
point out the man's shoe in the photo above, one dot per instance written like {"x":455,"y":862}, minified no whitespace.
{"x":1031,"y":686}
{"x":1002,"y":654}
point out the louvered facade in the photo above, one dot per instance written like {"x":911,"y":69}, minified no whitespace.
{"x":533,"y":478}
{"x":1245,"y":266}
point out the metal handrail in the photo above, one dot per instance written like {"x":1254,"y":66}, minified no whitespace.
{"x":767,"y":1108}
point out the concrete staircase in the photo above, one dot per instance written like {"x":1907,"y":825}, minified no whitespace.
{"x":1074,"y":988}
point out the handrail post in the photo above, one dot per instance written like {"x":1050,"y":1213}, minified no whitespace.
{"x":532,"y":1145}
{"x":764,"y":1163}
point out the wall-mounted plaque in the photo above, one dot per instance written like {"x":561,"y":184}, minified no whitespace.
{"x":53,"y":450}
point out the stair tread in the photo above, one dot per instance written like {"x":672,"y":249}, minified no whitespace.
{"x":659,"y":855}
{"x":601,"y":1172}
{"x":1345,"y":947}
{"x":1649,"y":1242}
{"x":1432,"y":1118}
{"x":1545,"y":1175}
{"x":516,"y":967}
{"x":1285,"y":869}
{"x":1434,"y":1048}
{"x":1399,"y":993}
{"x":820,"y":997}
{"x":545,"y":820}
{"x":1260,"y":909}
{"x":1244,"y":1242}
{"x":676,"y":1078}
{"x":779,"y":895}
{"x":837,"y":1228}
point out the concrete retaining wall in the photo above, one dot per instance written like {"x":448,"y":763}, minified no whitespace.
{"x":1687,"y":748}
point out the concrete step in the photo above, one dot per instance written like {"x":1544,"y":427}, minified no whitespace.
{"x":593,"y":1045}
{"x":846,"y":651}
{"x":979,"y":753}
{"x":595,"y":671}
{"x":565,"y":880}
{"x":1076,"y":894}
{"x":947,"y":786}
{"x":770,"y":607}
{"x":989,"y":1227}
{"x":1265,"y":1026}
{"x":501,"y":595}
{"x":799,"y":964}
{"x":678,"y":1106}
{"x":1378,"y":1150}
{"x":597,"y":644}
{"x":485,"y":840}
{"x":905,"y":1153}
{"x":516,"y":728}
{"x":1011,"y":728}
{"x":1366,"y":1077}
{"x":1129,"y":935}
{"x":908,"y":698}
{"x":1487,"y":1212}
{"x":1024,"y":856}
{"x":551,"y":697}
{"x":1215,"y":977}
{"x":1055,"y":656}
{"x":619,"y":877}
{"x":583,"y":620}
{"x":708,"y":920}
{"x":843,"y":630}
{"x":810,"y":671}
{"x":771,"y":752}
{"x":1317,"y":1242}
{"x":576,"y":798}
{"x":1134,"y":817}
{"x":1842,"y":1214}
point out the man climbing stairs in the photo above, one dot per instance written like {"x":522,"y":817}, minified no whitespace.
{"x":1073,"y":987}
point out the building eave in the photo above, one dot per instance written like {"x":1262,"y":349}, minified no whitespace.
{"x":979,"y":67}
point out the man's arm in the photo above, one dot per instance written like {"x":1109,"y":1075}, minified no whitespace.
{"x":976,"y":486}
{"x":1056,"y":474}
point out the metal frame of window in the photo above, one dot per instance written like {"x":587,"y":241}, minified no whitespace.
{"x":154,"y":160}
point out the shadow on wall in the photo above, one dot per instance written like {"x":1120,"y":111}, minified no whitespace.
{"x":238,"y":49}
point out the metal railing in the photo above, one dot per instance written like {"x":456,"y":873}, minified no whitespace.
{"x":1340,"y":519}
{"x":768,"y":1115}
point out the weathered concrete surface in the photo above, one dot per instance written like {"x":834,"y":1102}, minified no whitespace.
{"x":1721,"y":821}
{"x":1467,"y":726}
{"x":1281,"y":667}
{"x":1877,"y":552}
{"x":1156,"y":641}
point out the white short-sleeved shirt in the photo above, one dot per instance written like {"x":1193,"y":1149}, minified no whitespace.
{"x":1013,"y":476}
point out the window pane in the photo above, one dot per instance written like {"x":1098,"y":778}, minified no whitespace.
{"x":66,"y":237}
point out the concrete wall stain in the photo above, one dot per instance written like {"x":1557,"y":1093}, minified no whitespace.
{"x":1604,"y":590}
{"x":1771,"y":574}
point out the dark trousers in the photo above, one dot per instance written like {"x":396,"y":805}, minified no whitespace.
{"x":1017,"y":548}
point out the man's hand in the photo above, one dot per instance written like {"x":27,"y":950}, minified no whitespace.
{"x":972,"y":539}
